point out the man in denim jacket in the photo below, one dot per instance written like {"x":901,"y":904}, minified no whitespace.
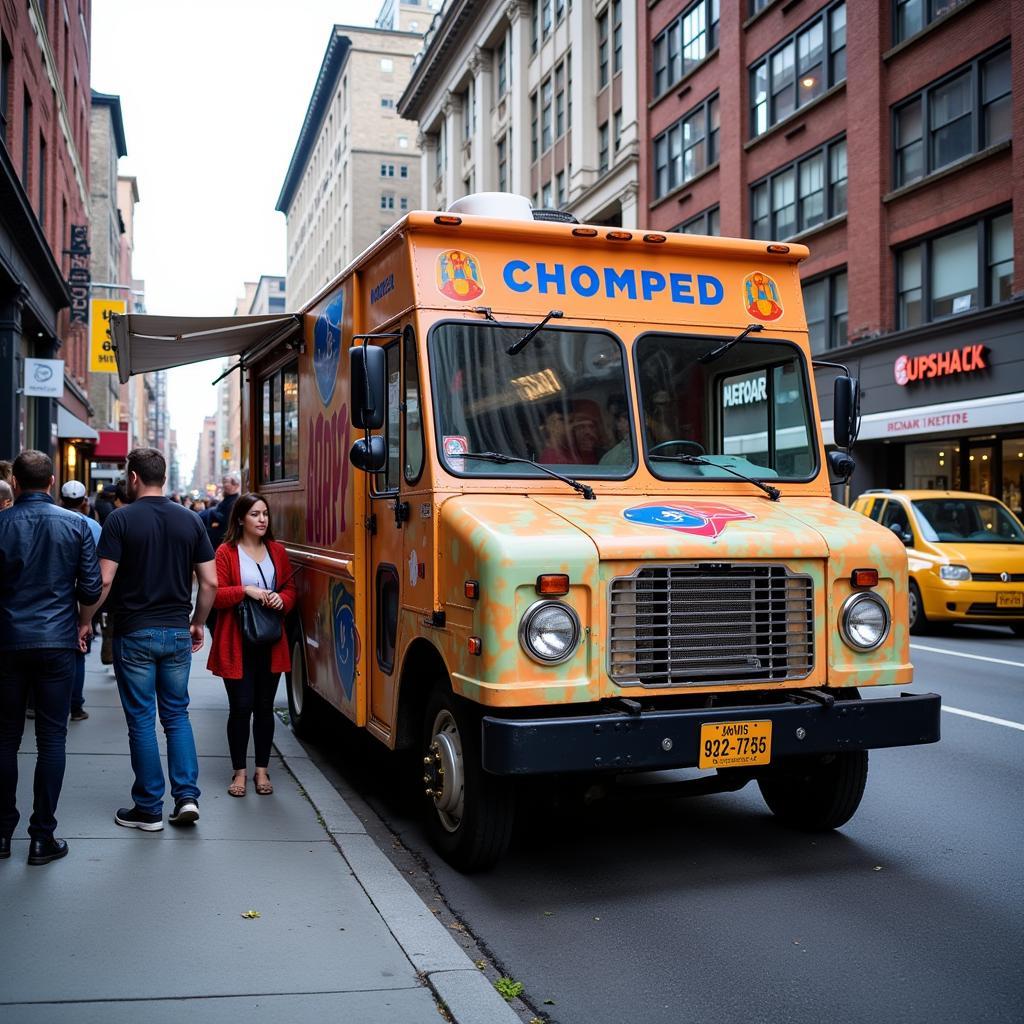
{"x":50,"y":585}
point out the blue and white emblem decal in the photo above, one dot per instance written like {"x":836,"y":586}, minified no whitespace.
{"x":327,"y":347}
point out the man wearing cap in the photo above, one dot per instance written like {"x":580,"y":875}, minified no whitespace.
{"x":73,"y":498}
{"x":50,"y":586}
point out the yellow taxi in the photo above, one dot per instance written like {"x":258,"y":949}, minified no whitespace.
{"x":965,"y":554}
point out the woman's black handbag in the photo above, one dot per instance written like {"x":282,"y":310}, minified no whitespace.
{"x":260,"y":625}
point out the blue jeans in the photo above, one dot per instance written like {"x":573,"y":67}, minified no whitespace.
{"x":152,"y":667}
{"x":47,"y":674}
{"x":78,"y":690}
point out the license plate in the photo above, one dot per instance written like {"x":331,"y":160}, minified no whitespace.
{"x":733,"y":744}
{"x":1010,"y":600}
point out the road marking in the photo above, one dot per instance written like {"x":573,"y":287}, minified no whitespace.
{"x":959,"y":654}
{"x":984,"y":718}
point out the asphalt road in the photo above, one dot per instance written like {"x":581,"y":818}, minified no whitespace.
{"x":703,"y":910}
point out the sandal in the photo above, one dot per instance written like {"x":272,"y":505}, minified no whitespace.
{"x":264,"y":787}
{"x":237,"y":787}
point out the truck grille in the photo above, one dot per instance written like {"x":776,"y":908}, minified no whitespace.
{"x":691,"y":625}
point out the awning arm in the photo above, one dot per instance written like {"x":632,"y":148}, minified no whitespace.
{"x":250,"y":357}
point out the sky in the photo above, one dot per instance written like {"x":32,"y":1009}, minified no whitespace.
{"x":213,"y":95}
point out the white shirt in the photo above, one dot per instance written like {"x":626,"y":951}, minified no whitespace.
{"x":251,"y":574}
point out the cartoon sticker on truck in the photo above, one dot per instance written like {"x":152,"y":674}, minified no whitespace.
{"x":582,"y":531}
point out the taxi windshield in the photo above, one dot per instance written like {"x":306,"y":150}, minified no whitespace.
{"x":707,"y":408}
{"x":967,"y":521}
{"x":561,"y":400}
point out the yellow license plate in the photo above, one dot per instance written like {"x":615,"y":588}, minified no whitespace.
{"x":733,"y":744}
{"x":1010,"y":600}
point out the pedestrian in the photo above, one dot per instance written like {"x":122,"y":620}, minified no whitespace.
{"x":73,"y":497}
{"x":218,"y":516}
{"x":149,"y":551}
{"x":250,"y":564}
{"x":104,"y":503}
{"x":47,"y":564}
{"x":6,"y":474}
{"x":6,"y":495}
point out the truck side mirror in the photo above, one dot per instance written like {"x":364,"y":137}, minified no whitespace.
{"x":370,"y":454}
{"x":367,"y":387}
{"x":846,"y":411}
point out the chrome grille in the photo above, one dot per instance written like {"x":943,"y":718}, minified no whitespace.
{"x":997,"y":577}
{"x":691,"y":625}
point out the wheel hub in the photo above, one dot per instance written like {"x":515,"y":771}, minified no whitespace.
{"x":443,"y":774}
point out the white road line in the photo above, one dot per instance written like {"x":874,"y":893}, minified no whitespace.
{"x":959,"y":654}
{"x":984,"y":718}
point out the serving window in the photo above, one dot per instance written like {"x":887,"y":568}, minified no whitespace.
{"x":279,"y":417}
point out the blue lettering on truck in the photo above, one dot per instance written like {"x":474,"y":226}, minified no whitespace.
{"x":586,"y":282}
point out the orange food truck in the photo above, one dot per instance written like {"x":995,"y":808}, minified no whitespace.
{"x":562,"y":507}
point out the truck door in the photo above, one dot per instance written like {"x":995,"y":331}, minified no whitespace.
{"x":385,"y":576}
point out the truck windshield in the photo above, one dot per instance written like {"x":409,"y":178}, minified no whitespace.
{"x":563,"y":400}
{"x":747,"y":409}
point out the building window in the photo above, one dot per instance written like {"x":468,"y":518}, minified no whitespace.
{"x":546,"y":17}
{"x":502,"y":165}
{"x":387,"y":102}
{"x":704,"y":223}
{"x":800,"y":195}
{"x":26,"y":139}
{"x":403,"y":141}
{"x":685,"y":43}
{"x":534,"y":124}
{"x":962,"y":114}
{"x":279,"y":417}
{"x":758,"y":5}
{"x":617,"y":130}
{"x":686,"y":149}
{"x":955,"y":272}
{"x":403,"y":171}
{"x":545,"y":115}
{"x":602,"y":50}
{"x":560,"y":189}
{"x":42,"y":180}
{"x":602,"y":148}
{"x":559,"y":10}
{"x":560,"y":101}
{"x":800,"y":68}
{"x":387,"y":170}
{"x":439,"y":155}
{"x":387,"y":200}
{"x":546,"y":197}
{"x":403,"y":203}
{"x":825,"y":305}
{"x":616,"y":36}
{"x":6,"y":65}
{"x":387,"y":65}
{"x":913,"y":15}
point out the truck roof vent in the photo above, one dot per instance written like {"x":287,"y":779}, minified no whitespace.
{"x":505,"y":205}
{"x":557,"y":216}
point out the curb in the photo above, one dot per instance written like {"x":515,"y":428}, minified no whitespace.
{"x":454,"y":979}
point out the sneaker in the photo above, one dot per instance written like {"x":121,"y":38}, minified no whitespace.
{"x":186,"y":812}
{"x":30,"y":712}
{"x":134,"y":817}
{"x":79,"y":715}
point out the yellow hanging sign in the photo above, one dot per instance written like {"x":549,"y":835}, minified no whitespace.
{"x":101,"y":350}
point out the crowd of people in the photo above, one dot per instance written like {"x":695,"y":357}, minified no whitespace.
{"x":59,"y":567}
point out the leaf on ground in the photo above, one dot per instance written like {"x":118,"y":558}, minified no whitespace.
{"x":549,"y":1002}
{"x":509,"y":988}
{"x":549,"y":913}
{"x":480,"y":964}
{"x":877,"y":867}
{"x":251,"y":915}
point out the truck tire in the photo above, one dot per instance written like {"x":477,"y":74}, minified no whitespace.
{"x":919,"y":624}
{"x":467,"y":813}
{"x":816,"y":793}
{"x":302,"y":701}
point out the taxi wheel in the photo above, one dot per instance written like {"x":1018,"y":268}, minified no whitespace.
{"x":301,"y":699}
{"x":467,"y":813}
{"x":1018,"y":628}
{"x":818,"y":792}
{"x":919,"y":624}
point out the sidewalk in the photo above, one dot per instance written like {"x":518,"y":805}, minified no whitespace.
{"x":130,"y":925}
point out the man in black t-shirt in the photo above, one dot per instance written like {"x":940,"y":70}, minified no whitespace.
{"x":148,"y":552}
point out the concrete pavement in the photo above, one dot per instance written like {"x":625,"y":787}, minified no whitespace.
{"x":134,"y":925}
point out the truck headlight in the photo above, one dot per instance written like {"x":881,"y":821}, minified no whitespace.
{"x":864,"y":621}
{"x":549,"y":632}
{"x":954,"y":572}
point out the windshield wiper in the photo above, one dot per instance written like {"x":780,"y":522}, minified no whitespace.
{"x":695,"y":460}
{"x":584,"y":489}
{"x":517,"y":346}
{"x":719,"y":351}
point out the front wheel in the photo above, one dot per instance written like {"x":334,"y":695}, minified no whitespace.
{"x":468,"y":813}
{"x":816,"y":793}
{"x":919,"y":624}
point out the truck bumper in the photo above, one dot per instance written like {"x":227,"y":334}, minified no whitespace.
{"x":658,"y":740}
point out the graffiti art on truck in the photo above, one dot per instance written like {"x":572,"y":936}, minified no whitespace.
{"x":327,"y":476}
{"x":346,"y":639}
{"x":327,"y":347}
{"x":704,"y":519}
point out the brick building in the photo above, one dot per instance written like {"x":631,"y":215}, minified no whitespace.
{"x":884,"y":136}
{"x":44,"y":192}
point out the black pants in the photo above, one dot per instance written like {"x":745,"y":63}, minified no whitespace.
{"x":252,"y":697}
{"x":47,"y":675}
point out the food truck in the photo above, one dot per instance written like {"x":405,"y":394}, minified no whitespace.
{"x":562,"y":507}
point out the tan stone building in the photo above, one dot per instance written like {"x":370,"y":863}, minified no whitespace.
{"x":355,"y":168}
{"x":538,"y":98}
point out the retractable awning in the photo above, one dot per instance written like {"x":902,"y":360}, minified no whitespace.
{"x":144,"y":343}
{"x":71,"y":428}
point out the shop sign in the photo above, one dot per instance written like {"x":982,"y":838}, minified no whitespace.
{"x":79,"y":277}
{"x":101,"y":348}
{"x":44,"y":378}
{"x":910,"y":369}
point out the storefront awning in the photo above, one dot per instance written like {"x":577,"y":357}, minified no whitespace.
{"x":145,"y":343}
{"x":111,"y":447}
{"x":72,"y":428}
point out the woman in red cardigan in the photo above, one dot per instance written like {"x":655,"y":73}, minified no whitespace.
{"x":250,"y":563}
